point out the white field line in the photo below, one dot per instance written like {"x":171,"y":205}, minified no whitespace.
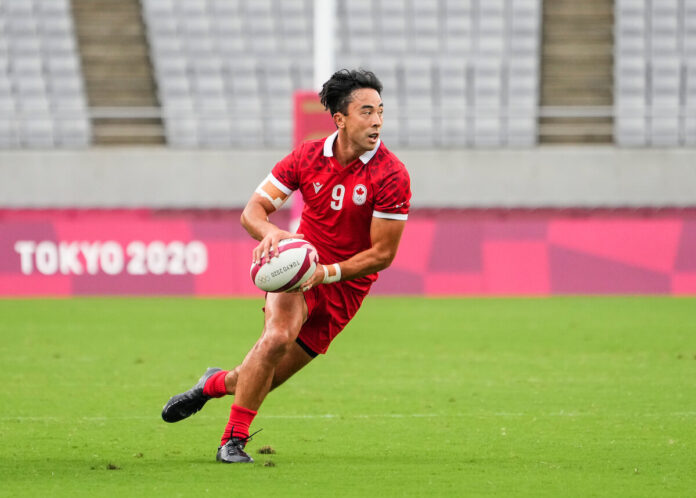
{"x":156,"y":416}
{"x":284,"y":417}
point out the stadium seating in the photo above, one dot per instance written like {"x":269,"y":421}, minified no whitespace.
{"x":42,"y":98}
{"x":456,"y":73}
{"x":226,"y":69}
{"x":690,"y":73}
{"x":655,"y":87}
{"x":467,"y":72}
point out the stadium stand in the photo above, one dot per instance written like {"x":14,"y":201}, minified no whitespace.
{"x":690,"y":50}
{"x":655,"y":72}
{"x":42,"y":98}
{"x":456,"y":73}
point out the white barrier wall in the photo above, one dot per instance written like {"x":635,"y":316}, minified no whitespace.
{"x":169,"y":178}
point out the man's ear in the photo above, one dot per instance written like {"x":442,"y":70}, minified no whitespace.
{"x":339,"y":120}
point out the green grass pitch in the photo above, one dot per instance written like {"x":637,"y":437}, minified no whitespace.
{"x":573,"y":396}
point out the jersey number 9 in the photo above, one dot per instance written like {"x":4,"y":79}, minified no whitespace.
{"x":337,"y":194}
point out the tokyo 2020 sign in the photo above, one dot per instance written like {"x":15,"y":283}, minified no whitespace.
{"x":207,"y":253}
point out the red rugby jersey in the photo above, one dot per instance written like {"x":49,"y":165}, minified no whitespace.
{"x":341,"y":201}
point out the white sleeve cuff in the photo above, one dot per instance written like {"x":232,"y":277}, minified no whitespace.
{"x":279,"y":185}
{"x":390,"y":216}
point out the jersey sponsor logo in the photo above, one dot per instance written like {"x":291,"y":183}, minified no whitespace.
{"x":317,"y":187}
{"x":359,"y":194}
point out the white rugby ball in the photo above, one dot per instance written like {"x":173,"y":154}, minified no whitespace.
{"x":296,"y":263}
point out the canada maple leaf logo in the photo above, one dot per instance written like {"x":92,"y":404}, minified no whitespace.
{"x":359,"y":195}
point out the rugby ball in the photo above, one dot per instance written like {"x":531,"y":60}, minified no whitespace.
{"x":296,"y":263}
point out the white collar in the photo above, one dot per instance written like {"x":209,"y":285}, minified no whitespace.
{"x":328,"y":148}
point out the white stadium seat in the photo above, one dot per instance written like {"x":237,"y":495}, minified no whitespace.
{"x":249,"y":37}
{"x":72,"y":132}
{"x":651,"y":69}
{"x":40,"y":76}
{"x":37,"y":131}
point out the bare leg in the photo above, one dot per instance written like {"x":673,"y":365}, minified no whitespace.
{"x":293,"y":361}
{"x":285,"y":314}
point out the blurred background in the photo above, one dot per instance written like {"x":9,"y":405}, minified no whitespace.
{"x":550,"y":142}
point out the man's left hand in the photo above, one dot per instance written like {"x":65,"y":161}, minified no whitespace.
{"x":316,"y":278}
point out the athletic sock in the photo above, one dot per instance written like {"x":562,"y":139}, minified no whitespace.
{"x":215,"y":385}
{"x":238,"y":425}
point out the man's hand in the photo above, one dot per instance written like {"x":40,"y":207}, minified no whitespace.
{"x":268,"y":247}
{"x":316,"y":278}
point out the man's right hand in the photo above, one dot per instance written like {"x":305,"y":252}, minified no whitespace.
{"x":269,"y":244}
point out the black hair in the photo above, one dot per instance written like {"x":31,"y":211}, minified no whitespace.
{"x":335,"y":93}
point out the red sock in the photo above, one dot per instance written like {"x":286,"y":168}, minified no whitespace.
{"x":238,"y":426}
{"x":215,"y":385}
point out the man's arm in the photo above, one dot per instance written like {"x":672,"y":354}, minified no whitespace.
{"x":385,"y":235}
{"x":254,"y":219}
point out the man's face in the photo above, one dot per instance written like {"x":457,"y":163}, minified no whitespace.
{"x":363,"y":120}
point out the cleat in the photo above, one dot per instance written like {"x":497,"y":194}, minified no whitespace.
{"x":187,"y":403}
{"x":233,"y":451}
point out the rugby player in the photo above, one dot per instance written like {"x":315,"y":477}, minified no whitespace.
{"x":357,"y":196}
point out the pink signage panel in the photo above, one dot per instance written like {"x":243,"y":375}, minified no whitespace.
{"x":443,"y":252}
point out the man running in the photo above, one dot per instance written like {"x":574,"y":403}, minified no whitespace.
{"x":357,"y":196}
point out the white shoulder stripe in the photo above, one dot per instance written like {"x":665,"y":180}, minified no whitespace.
{"x":278,"y":184}
{"x":390,"y":216}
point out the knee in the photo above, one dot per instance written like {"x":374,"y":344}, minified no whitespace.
{"x":275,"y":343}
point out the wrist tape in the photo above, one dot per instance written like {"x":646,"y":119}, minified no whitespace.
{"x":335,"y":278}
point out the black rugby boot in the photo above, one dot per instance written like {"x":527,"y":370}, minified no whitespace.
{"x":233,"y":451}
{"x":187,"y":403}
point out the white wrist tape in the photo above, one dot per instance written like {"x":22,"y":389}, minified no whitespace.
{"x":335,"y":278}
